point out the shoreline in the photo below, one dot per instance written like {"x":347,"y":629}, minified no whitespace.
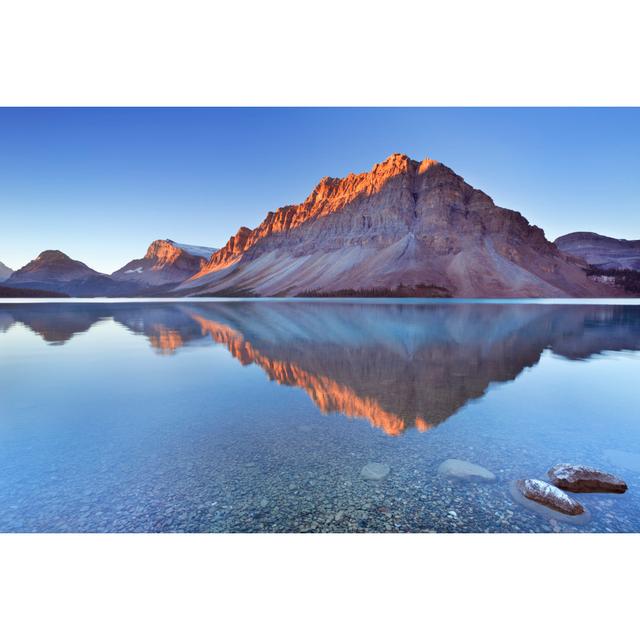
{"x":365,"y":300}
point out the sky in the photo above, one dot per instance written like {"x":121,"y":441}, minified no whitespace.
{"x":102,"y":184}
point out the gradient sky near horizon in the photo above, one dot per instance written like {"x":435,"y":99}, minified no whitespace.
{"x":101,"y":184}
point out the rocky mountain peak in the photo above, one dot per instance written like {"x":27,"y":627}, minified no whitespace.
{"x":162,"y":250}
{"x":395,"y":163}
{"x":53,"y":259}
{"x":53,"y":266}
{"x":329,"y":196}
{"x":403,"y":223}
{"x":165,"y":262}
{"x":170,"y":250}
{"x":53,"y":255}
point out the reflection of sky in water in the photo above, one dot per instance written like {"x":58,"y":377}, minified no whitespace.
{"x":189,"y":416}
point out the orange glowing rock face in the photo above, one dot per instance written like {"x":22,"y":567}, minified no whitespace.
{"x":327,"y":394}
{"x":165,"y":262}
{"x":329,"y":196}
{"x":166,"y":341}
{"x":163,"y":253}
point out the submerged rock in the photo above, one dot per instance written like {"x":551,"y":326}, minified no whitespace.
{"x":463,"y":470}
{"x":549,"y":496}
{"x":580,"y":479}
{"x":375,"y":471}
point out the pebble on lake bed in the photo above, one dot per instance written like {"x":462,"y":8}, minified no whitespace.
{"x":463,"y":470}
{"x":375,"y":471}
{"x":549,"y":496}
{"x":580,"y":479}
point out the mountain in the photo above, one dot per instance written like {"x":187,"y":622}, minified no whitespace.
{"x":5,"y":272}
{"x":601,"y":251}
{"x":55,"y":271}
{"x":53,"y":265}
{"x":409,"y":223}
{"x":166,"y":262}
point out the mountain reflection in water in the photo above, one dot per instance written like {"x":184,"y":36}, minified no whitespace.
{"x":395,"y":365}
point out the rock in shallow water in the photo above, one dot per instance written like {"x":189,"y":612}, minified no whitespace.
{"x":463,"y":470}
{"x":546,"y":494}
{"x":375,"y":471}
{"x":580,"y":479}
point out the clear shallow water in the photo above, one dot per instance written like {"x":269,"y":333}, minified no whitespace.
{"x":259,"y":415}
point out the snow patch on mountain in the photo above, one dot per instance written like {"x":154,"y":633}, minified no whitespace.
{"x":194,"y":250}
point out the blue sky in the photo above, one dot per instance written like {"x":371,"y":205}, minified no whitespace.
{"x":101,"y":184}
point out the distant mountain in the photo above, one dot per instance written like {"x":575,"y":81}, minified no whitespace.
{"x":416,"y":227}
{"x":5,"y":272}
{"x":55,"y":271}
{"x":53,"y":265}
{"x":166,"y":262}
{"x":602,"y":252}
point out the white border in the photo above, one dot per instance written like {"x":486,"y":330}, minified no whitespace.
{"x":81,"y":52}
{"x":319,"y":586}
{"x":335,"y":52}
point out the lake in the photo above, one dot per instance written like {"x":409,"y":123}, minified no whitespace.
{"x":259,"y":415}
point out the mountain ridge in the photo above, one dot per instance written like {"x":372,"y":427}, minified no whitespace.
{"x":603,"y":252}
{"x":405,"y":222}
{"x":328,"y":195}
{"x":404,"y":228}
{"x":165,"y":263}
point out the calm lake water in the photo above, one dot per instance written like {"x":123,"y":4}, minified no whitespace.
{"x":260,"y":415}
